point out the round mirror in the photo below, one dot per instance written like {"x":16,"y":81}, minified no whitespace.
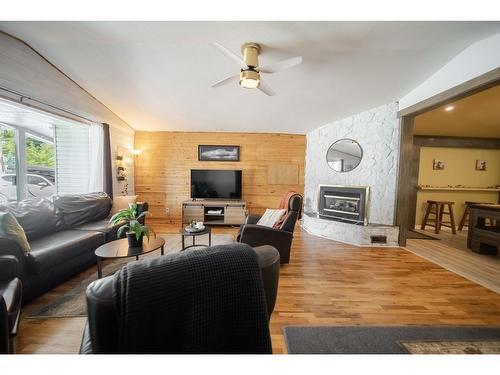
{"x":344,"y":155}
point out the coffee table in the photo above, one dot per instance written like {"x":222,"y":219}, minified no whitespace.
{"x":184,"y":233}
{"x":120,"y":249}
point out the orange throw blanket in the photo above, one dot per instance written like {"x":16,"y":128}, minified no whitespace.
{"x":284,"y":205}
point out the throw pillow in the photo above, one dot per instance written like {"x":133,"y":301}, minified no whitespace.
{"x":271,"y":217}
{"x":122,"y":202}
{"x":10,"y":229}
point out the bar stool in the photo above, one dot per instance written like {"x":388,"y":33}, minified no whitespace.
{"x":466,"y":213}
{"x":439,"y":212}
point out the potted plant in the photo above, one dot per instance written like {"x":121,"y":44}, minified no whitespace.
{"x":134,"y":230}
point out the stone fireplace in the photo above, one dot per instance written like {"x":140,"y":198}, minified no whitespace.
{"x":357,"y":205}
{"x":344,"y":203}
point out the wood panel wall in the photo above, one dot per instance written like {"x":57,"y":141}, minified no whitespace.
{"x":162,"y":171}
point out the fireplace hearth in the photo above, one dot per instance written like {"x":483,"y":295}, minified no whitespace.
{"x":344,"y":203}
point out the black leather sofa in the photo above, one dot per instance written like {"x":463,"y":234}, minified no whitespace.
{"x":101,"y":331}
{"x":63,"y":233}
{"x":258,"y":235}
{"x":10,"y":301}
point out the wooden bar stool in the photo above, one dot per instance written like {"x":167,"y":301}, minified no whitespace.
{"x":466,"y":213}
{"x":439,"y":211}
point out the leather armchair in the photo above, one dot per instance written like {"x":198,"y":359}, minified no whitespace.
{"x":101,"y":331}
{"x":10,"y":301}
{"x":258,"y":235}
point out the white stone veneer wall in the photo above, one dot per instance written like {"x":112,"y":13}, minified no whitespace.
{"x":377,"y":131}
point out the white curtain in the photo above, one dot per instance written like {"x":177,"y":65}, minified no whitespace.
{"x":96,"y":153}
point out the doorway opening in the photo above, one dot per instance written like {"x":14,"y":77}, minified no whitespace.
{"x":450,"y":163}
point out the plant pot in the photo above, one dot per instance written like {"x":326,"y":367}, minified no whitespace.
{"x":133,"y":241}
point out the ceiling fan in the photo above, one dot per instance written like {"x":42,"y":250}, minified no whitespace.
{"x":249,"y":76}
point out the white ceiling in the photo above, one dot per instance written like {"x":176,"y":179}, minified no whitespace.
{"x":157,"y":75}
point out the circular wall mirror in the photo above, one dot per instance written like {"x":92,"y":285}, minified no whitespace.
{"x":344,"y":155}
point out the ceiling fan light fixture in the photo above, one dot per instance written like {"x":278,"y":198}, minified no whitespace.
{"x":249,"y":79}
{"x":250,"y":68}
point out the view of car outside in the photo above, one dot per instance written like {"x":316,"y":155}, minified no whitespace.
{"x":40,"y":162}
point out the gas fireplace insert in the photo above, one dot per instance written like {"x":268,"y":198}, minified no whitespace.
{"x":344,"y":203}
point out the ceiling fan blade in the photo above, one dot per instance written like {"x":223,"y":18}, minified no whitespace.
{"x":264,"y":87}
{"x":227,"y":80}
{"x":280,"y":65}
{"x":230,"y":55}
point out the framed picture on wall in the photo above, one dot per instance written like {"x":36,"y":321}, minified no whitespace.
{"x":480,"y":165}
{"x":437,"y":164}
{"x":218,"y":153}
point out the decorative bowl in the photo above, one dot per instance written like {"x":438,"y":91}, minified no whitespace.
{"x":197,"y":228}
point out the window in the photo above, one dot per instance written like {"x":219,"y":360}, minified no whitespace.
{"x":41,"y":155}
{"x":38,"y":186}
{"x":8,"y":181}
{"x":9,"y":178}
{"x":40,"y":166}
{"x":36,"y":180}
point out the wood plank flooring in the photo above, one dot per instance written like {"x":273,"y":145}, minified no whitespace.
{"x":327,"y":283}
{"x":451,"y":252}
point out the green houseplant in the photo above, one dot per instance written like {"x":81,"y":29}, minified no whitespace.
{"x":134,"y":230}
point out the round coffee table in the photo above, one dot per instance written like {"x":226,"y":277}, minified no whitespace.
{"x":185,"y":234}
{"x":120,"y":249}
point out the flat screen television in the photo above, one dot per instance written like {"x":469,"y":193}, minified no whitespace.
{"x":215,"y":184}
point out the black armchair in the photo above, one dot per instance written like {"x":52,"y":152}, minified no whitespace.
{"x":102,"y":329}
{"x":10,"y":301}
{"x":258,"y":235}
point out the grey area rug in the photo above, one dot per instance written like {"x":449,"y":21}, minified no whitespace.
{"x":391,"y":340}
{"x":72,"y":303}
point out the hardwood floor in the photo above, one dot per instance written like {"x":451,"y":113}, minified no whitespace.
{"x":327,"y":283}
{"x":451,"y":252}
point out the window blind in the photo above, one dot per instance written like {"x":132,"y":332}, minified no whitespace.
{"x":72,"y":158}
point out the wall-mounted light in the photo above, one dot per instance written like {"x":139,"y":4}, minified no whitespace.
{"x":449,"y":108}
{"x":136,"y":151}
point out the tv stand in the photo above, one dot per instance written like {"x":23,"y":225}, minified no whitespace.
{"x":214,"y":212}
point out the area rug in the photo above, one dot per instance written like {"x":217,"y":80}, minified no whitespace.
{"x":392,"y":340}
{"x":452,"y":347}
{"x":72,"y":303}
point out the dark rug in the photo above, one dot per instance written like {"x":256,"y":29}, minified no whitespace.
{"x":73,"y":303}
{"x":392,"y":340}
{"x":414,"y":235}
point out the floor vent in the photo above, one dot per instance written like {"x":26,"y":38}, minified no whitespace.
{"x":378,"y":239}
